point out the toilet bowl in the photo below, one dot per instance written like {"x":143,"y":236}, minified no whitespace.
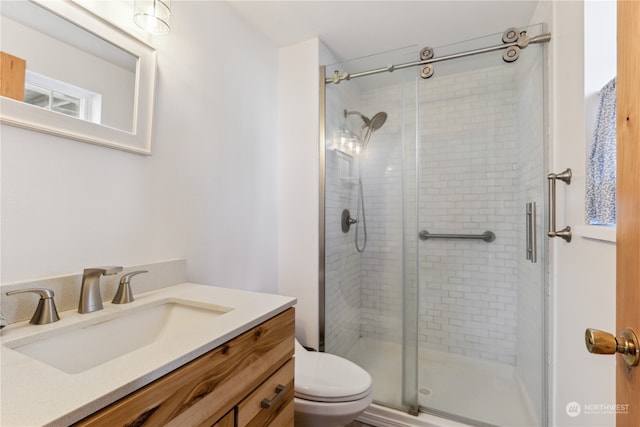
{"x":329,"y":391}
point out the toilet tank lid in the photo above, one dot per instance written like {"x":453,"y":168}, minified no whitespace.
{"x":324,"y":377}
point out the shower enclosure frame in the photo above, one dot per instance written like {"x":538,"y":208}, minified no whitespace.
{"x":545,"y":256}
{"x":321,"y":206}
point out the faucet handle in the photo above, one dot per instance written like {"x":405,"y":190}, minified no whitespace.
{"x":46,"y":311}
{"x":124,"y":295}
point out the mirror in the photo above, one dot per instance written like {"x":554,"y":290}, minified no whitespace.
{"x":83,"y":78}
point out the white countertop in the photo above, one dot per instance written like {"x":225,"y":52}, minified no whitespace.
{"x":35,"y":394}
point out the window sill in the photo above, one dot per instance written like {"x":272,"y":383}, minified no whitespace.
{"x":606,"y":233}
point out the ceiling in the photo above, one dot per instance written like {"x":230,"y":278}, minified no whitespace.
{"x":353,"y":29}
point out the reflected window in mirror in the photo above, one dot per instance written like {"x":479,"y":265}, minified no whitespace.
{"x":61,"y":97}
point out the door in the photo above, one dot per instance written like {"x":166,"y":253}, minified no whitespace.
{"x":628,"y":205}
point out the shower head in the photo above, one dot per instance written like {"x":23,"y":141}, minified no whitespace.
{"x":370,"y":124}
{"x":373,"y":123}
{"x":377,"y":121}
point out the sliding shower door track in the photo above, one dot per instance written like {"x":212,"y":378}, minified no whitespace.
{"x":513,"y":41}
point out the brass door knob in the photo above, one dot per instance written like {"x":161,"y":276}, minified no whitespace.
{"x":600,"y":342}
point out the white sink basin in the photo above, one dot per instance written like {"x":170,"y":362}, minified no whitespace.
{"x":87,"y":344}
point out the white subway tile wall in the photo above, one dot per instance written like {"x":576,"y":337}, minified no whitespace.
{"x":468,"y":185}
{"x":342,"y":261}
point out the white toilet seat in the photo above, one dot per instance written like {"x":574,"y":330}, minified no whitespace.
{"x":329,"y":391}
{"x":335,"y":409}
{"x":323,"y":377}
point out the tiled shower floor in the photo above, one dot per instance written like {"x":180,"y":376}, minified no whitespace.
{"x":474,"y":389}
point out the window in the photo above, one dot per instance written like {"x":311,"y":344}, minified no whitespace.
{"x":61,"y":97}
{"x":600,"y":113}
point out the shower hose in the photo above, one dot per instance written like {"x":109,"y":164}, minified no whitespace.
{"x":358,"y":221}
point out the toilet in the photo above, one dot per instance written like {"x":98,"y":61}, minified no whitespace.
{"x":329,"y":391}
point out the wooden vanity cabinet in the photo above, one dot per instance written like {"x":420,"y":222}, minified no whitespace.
{"x":225,"y":387}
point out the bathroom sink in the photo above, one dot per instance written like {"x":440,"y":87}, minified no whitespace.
{"x":84,"y":345}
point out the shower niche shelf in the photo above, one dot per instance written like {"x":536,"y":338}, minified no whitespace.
{"x":349,"y":180}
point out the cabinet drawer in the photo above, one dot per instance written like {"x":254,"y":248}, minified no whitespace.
{"x":204,"y":390}
{"x":269,"y":400}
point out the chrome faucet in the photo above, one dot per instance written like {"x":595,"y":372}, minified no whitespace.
{"x":90,"y":297}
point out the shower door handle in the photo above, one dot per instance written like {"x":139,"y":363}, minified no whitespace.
{"x":565,"y":177}
{"x":530,"y":224}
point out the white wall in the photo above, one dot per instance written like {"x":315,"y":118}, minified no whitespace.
{"x":208,"y":193}
{"x":219,"y":115}
{"x":583,"y":273}
{"x":298,"y":184}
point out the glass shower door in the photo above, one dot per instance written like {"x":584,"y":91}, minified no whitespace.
{"x":370,"y":313}
{"x":481,"y":161}
{"x":448,"y":326}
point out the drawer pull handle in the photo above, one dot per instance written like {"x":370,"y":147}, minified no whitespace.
{"x":280,"y":391}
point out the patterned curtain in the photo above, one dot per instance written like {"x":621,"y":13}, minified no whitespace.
{"x":601,"y":166}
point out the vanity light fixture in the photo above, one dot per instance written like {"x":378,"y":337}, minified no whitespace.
{"x":152,"y":15}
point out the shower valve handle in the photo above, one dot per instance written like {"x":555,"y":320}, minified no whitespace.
{"x":347,"y":221}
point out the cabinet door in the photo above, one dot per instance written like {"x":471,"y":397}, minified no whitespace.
{"x":205,"y":389}
{"x":228,"y":420}
{"x":272,"y":400}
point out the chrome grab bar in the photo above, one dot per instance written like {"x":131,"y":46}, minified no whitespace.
{"x":565,"y":177}
{"x":487,"y":236}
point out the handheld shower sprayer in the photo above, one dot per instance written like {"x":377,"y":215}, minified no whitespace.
{"x":371,"y":125}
